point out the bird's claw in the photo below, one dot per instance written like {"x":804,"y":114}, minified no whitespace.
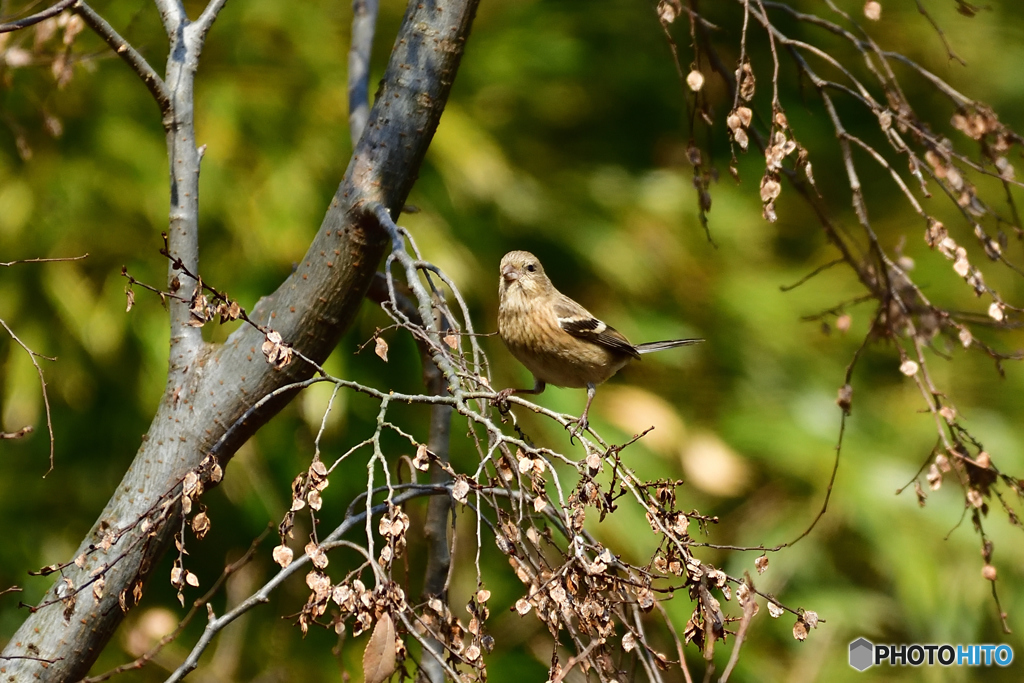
{"x":500,"y":400}
{"x":579,"y":426}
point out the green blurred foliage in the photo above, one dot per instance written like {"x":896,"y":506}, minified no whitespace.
{"x":565,"y":135}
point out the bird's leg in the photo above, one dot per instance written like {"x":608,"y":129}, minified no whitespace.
{"x":582,"y":424}
{"x":502,"y":396}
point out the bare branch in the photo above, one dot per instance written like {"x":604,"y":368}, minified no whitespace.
{"x":127,"y":53}
{"x":44,"y":260}
{"x":205,"y":21}
{"x":216,"y":624}
{"x":172,"y":16}
{"x":32,"y":355}
{"x":51,"y":11}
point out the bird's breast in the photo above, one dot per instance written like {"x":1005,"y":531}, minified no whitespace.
{"x":532,"y":334}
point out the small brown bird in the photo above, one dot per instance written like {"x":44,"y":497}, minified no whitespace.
{"x":558,"y":340}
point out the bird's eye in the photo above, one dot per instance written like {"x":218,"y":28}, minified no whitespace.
{"x":531,"y":268}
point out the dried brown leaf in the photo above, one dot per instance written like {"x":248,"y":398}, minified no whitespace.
{"x":381,"y":349}
{"x":283,"y":555}
{"x":379,"y":656}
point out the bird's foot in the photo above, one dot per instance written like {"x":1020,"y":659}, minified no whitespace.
{"x":500,"y":400}
{"x":577,"y":427}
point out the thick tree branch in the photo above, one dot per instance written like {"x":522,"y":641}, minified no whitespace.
{"x":208,"y":390}
{"x":364,"y":24}
{"x":172,"y":15}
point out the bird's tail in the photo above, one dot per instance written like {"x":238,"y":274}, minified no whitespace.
{"x":651,"y":347}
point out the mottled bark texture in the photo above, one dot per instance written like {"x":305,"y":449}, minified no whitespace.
{"x":209,"y":387}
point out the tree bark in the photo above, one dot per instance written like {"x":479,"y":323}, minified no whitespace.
{"x":211,"y":388}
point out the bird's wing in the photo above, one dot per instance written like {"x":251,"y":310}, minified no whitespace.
{"x":577,"y":321}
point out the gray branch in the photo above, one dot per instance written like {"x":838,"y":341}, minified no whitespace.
{"x":364,"y":24}
{"x":125,"y":51}
{"x":33,"y":19}
{"x":209,"y":387}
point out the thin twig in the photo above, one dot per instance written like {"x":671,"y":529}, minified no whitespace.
{"x":45,"y":260}
{"x":32,"y":355}
{"x":51,"y":11}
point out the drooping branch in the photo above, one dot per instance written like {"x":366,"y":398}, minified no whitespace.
{"x":32,"y":355}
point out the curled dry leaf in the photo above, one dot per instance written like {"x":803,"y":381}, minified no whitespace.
{"x":668,"y":11}
{"x":422,"y":460}
{"x":775,"y":609}
{"x":379,"y":656}
{"x":740,"y":136}
{"x":761,"y":563}
{"x":461,"y":489}
{"x":909,"y":367}
{"x":995,"y":311}
{"x":873,"y":10}
{"x":770,"y":189}
{"x":844,"y":401}
{"x":745,"y":81}
{"x":922,"y":497}
{"x":380,"y":347}
{"x":191,"y":579}
{"x":200,"y":525}
{"x":965,"y":337}
{"x":278,"y":353}
{"x":628,"y":641}
{"x":522,"y":606}
{"x":97,"y":588}
{"x":283,"y":555}
{"x":800,"y":630}
{"x":695,"y":80}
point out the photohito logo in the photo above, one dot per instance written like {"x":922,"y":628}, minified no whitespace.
{"x":864,"y":653}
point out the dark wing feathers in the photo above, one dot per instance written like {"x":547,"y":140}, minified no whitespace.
{"x":578,"y":322}
{"x":651,"y":347}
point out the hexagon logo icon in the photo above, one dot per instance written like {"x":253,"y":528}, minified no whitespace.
{"x":861,"y":654}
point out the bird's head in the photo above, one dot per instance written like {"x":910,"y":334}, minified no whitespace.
{"x":521,"y":271}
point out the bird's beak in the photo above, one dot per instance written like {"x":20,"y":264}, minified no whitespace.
{"x":510,"y":273}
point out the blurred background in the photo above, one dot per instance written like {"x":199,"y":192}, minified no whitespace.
{"x":565,"y":135}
